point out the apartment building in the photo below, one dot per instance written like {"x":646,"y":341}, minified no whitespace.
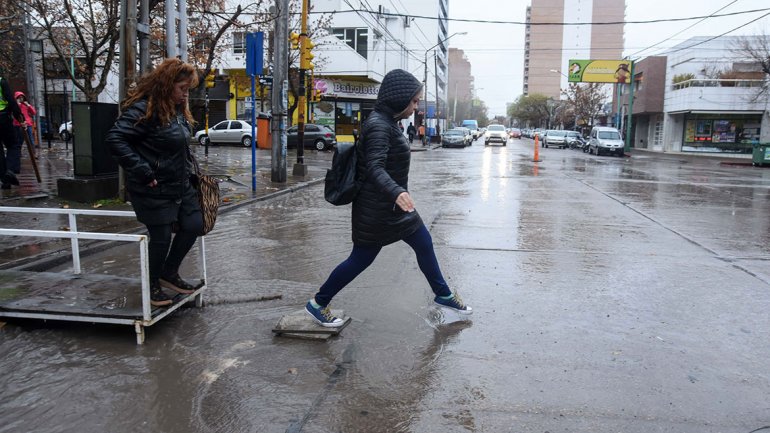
{"x":549,"y":45}
{"x":364,"y":41}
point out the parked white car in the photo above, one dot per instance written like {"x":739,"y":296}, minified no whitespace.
{"x":226,"y":131}
{"x":65,"y":131}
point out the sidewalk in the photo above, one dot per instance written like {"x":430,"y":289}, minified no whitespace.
{"x":230,"y":164}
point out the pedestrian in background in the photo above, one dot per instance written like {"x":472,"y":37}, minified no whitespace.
{"x":29,"y":112}
{"x":150,"y":141}
{"x":421,"y":133}
{"x":383,"y":211}
{"x":9,"y":111}
{"x":411,"y":132}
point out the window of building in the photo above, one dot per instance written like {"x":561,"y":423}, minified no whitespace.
{"x":239,"y":43}
{"x":731,"y":133}
{"x":356,"y":38}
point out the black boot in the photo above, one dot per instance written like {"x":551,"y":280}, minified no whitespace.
{"x":158,"y":298}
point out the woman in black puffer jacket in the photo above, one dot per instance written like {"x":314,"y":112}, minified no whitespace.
{"x":150,"y":141}
{"x":383,"y":210}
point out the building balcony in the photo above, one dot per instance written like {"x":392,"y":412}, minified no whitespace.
{"x":714,"y":95}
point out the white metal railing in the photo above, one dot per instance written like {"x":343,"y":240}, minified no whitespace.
{"x":709,"y":82}
{"x":75,"y":236}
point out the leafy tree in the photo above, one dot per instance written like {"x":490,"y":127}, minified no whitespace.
{"x":531,"y":110}
{"x":585,"y":101}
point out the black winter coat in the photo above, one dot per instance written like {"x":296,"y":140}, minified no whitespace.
{"x":383,"y":162}
{"x":147,"y":151}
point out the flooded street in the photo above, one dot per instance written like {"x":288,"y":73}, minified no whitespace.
{"x":609,"y":295}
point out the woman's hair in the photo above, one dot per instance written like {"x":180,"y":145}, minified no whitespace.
{"x":157,"y":87}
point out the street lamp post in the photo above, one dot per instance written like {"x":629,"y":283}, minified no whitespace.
{"x":425,"y":84}
{"x":37,"y":46}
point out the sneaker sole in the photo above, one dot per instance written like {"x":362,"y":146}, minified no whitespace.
{"x":325,"y":325}
{"x":463,"y":312}
{"x":167,"y":285}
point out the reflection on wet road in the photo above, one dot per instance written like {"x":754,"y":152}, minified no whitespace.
{"x":609,"y":295}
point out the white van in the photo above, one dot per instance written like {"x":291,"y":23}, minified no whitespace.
{"x":606,"y":140}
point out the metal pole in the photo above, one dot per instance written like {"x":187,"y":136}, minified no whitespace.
{"x":299,"y":168}
{"x":72,"y":67}
{"x":279,"y":96}
{"x":171,"y":39}
{"x":45,"y":95}
{"x":182,"y":36}
{"x":630,"y":109}
{"x":253,"y":134}
{"x":435,"y":81}
{"x":425,"y":95}
{"x":144,"y":35}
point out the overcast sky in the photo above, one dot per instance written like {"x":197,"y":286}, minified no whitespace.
{"x":496,"y":51}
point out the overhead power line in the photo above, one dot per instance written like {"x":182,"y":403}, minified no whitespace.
{"x":555,"y":23}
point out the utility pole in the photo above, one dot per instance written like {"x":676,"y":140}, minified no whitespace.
{"x":280,"y":91}
{"x":300,"y":169}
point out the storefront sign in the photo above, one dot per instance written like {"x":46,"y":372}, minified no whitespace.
{"x":346,"y":89}
{"x":599,"y":71}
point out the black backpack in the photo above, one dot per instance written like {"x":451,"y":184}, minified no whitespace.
{"x":341,"y":185}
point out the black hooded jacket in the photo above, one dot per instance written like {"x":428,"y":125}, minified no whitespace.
{"x":383,"y":163}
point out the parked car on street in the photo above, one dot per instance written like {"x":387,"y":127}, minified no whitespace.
{"x":226,"y":131}
{"x":575,"y":140}
{"x":318,"y":137}
{"x":473,"y":125}
{"x":605,"y":140}
{"x":555,"y":138}
{"x":495,"y":133}
{"x":468,"y":134}
{"x":454,"y":138}
{"x":65,"y":131}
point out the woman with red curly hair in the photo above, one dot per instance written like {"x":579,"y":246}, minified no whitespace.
{"x":150,"y":141}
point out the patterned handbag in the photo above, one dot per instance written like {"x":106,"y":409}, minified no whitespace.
{"x":208,"y":195}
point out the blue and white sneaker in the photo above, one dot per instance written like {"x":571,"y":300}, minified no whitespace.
{"x":323,"y":316}
{"x":453,"y":303}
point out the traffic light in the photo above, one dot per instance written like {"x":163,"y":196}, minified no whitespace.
{"x":294,"y":39}
{"x":307,"y":55}
{"x":210,"y":80}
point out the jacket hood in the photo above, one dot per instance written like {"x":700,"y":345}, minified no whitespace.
{"x":396,"y":91}
{"x":17,"y":94}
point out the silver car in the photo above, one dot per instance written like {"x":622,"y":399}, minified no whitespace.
{"x":555,"y":138}
{"x":226,"y":131}
{"x":606,"y":140}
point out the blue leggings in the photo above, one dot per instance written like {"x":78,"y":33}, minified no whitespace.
{"x":363,"y":256}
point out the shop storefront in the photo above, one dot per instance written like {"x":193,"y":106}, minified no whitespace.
{"x":721,"y":132}
{"x":344,"y":104}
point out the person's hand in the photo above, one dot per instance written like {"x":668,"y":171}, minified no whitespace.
{"x":404,"y":201}
{"x":153,"y":184}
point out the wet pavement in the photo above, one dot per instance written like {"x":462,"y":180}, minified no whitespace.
{"x":609,"y":295}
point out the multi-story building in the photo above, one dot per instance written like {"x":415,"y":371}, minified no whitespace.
{"x":364,"y":41}
{"x":702,"y":97}
{"x":548,"y":47}
{"x":461,"y":82}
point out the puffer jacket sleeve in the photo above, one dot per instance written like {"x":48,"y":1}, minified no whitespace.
{"x":377,"y":144}
{"x":121,"y":140}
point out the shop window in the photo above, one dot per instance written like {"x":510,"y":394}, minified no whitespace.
{"x":346,"y":117}
{"x":724,"y":133}
{"x":356,"y":38}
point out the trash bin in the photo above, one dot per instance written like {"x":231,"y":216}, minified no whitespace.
{"x":264,"y":135}
{"x":761,"y":154}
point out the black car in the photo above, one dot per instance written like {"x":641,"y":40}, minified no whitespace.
{"x":318,"y":137}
